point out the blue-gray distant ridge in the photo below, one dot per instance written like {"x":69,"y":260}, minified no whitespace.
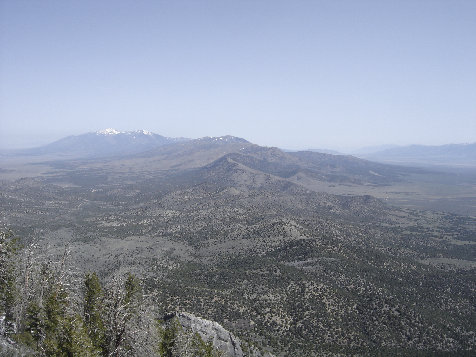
{"x":443,"y":155}
{"x":105,"y":143}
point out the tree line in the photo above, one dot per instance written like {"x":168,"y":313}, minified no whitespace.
{"x":46,"y":310}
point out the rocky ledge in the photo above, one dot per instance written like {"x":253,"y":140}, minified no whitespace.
{"x":208,"y":330}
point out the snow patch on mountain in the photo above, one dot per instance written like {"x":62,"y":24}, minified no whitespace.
{"x":144,"y":132}
{"x":108,"y":131}
{"x":111,"y":131}
{"x":223,"y":139}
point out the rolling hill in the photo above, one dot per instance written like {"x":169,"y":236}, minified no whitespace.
{"x":245,"y":235}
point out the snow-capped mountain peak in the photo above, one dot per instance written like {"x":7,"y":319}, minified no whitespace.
{"x":108,"y":131}
{"x":111,"y":131}
{"x":144,"y":132}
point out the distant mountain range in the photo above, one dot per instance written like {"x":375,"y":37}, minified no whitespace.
{"x":112,"y":143}
{"x":372,"y":149}
{"x":289,"y":250}
{"x":104,"y":143}
{"x":463,"y":155}
{"x":209,"y":158}
{"x":324,"y":151}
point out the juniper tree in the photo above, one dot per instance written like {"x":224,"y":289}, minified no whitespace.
{"x":34,"y":326}
{"x":37,"y":290}
{"x":177,"y":341}
{"x":94,"y":311}
{"x":168,"y":338}
{"x":8,"y":251}
{"x":74,"y":339}
{"x":122,"y":299}
{"x":55,"y":306}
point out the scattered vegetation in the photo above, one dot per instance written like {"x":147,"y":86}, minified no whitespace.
{"x":45,"y":314}
{"x":245,"y":241}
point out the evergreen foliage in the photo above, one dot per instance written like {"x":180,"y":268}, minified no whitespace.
{"x":8,"y":292}
{"x":46,"y":311}
{"x":110,"y":320}
{"x":75,"y":339}
{"x":176,"y":341}
{"x":93,"y":311}
{"x":121,"y":305}
{"x":34,"y":325}
{"x":168,"y":335}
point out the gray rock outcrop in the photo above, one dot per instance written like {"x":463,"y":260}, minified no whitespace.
{"x":212,"y":331}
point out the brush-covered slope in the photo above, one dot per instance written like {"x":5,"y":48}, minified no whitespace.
{"x":304,"y":166}
{"x":283,"y":267}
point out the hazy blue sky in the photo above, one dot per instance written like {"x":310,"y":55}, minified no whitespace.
{"x":294,"y":74}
